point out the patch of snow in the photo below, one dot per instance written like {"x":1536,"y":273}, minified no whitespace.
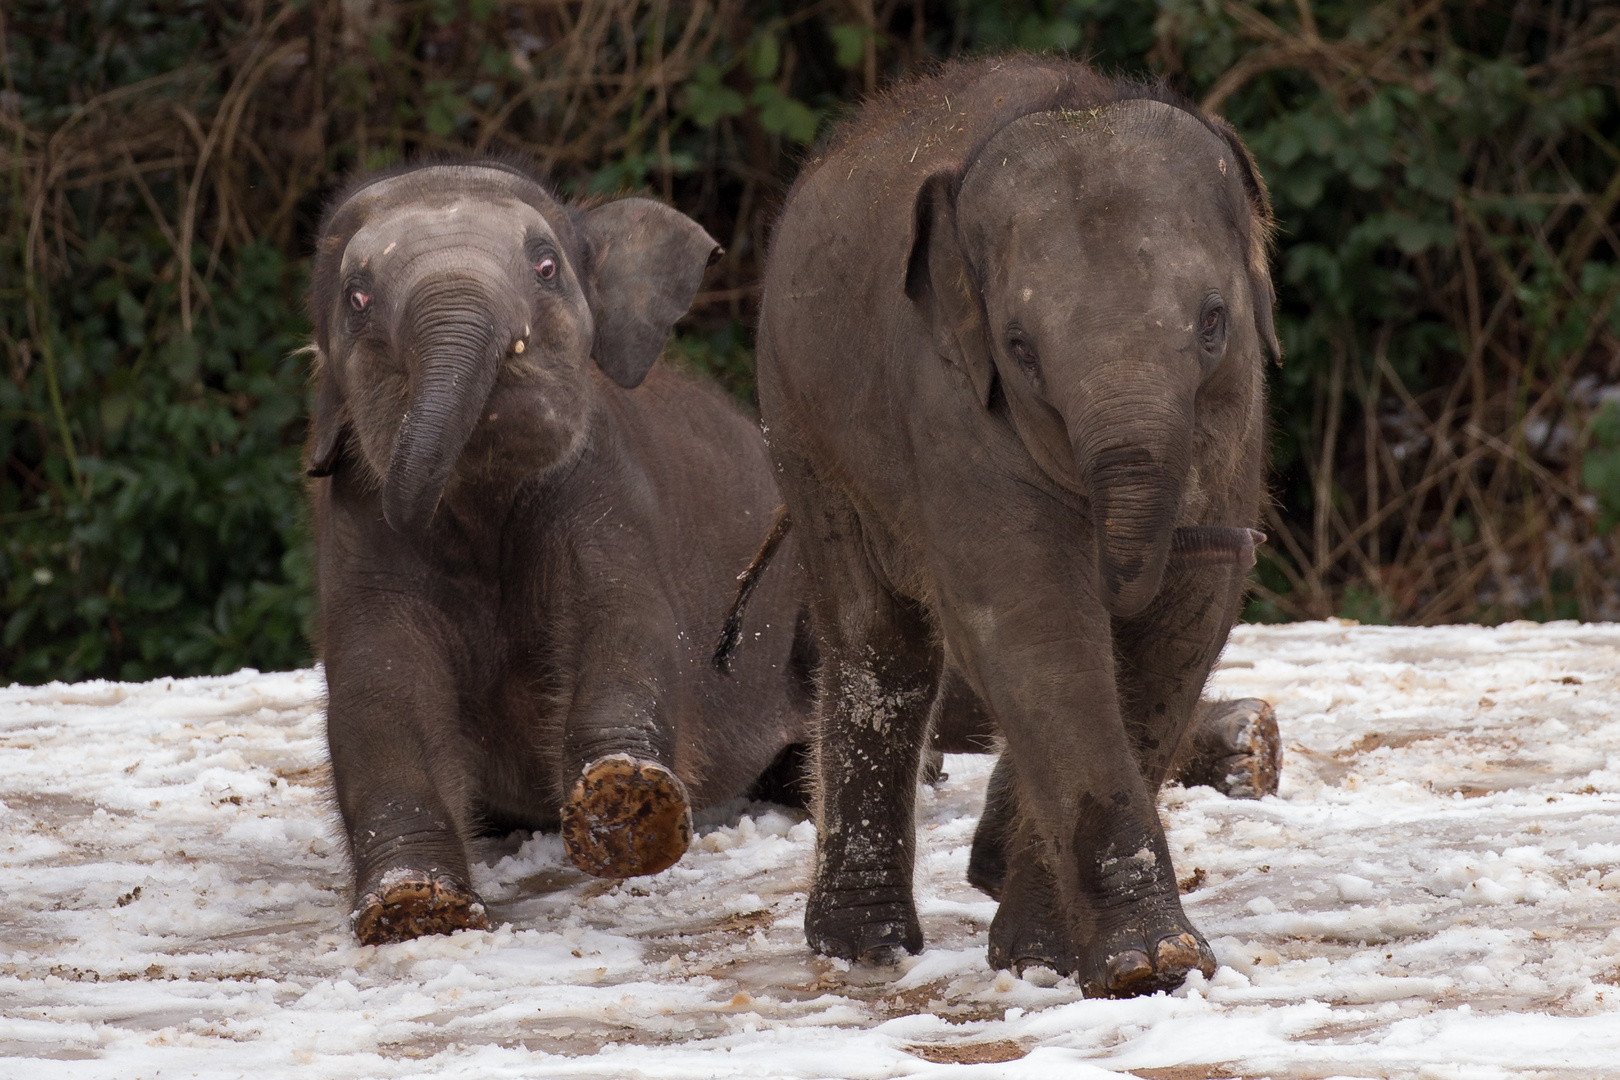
{"x":1435,"y":892}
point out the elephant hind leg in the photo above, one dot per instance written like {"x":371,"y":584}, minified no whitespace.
{"x":988,"y":858}
{"x":1233,"y":747}
{"x":788,"y":781}
{"x":878,"y":670}
{"x":1029,"y":930}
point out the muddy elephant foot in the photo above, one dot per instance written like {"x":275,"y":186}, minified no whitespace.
{"x":409,"y":904}
{"x":873,"y":922}
{"x":1234,"y":748}
{"x":1028,"y":930}
{"x":626,"y":817}
{"x":1151,"y":955}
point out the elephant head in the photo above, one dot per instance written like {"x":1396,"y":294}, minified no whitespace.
{"x":1100,"y":277}
{"x":457,"y":311}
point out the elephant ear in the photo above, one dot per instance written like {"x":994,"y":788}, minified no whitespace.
{"x":328,"y":423}
{"x":647,"y":261}
{"x":1262,"y":226}
{"x":940,"y":282}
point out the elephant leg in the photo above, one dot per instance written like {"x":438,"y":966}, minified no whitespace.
{"x":401,"y":784}
{"x":1126,"y":935}
{"x":993,"y":839}
{"x":625,"y":812}
{"x":868,"y":755}
{"x":1029,"y":929}
{"x":1070,"y":776}
{"x":1165,"y":657}
{"x":1233,"y":747}
{"x":879,"y":670}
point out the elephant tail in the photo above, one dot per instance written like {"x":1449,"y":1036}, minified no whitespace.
{"x":731,"y":630}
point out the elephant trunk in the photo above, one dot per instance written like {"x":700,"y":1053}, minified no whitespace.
{"x":459,"y":356}
{"x":1136,"y":481}
{"x":1215,"y":545}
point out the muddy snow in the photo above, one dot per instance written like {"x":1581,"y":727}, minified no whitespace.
{"x":1434,"y":893}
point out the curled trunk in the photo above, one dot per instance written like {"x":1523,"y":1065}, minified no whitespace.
{"x":1136,"y":487}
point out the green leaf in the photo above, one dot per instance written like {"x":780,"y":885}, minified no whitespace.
{"x":764,"y":56}
{"x":708,"y":99}
{"x":782,"y":115}
{"x":849,"y":42}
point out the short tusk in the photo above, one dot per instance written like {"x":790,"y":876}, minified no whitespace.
{"x":517,"y":346}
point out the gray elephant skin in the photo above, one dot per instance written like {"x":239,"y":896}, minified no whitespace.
{"x":1011,"y":369}
{"x":525,"y":536}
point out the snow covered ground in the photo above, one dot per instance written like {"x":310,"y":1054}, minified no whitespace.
{"x":1436,"y":893}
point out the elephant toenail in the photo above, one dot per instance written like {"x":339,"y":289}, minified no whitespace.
{"x":1127,"y":968}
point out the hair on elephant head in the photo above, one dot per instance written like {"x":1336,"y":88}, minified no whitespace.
{"x":1101,"y":274}
{"x":458,"y":307}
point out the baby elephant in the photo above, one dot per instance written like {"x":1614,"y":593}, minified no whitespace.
{"x":521,"y":554}
{"x":1011,"y":362}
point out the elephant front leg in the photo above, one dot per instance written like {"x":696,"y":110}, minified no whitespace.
{"x":1133,"y":935}
{"x":626,"y":816}
{"x":1087,"y":885}
{"x":625,"y":812}
{"x":397,"y":768}
{"x":411,"y":872}
{"x":1138,"y":942}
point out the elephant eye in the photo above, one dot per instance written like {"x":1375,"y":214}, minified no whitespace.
{"x":1024,"y":353}
{"x":1212,"y":326}
{"x":358,"y":300}
{"x":546,"y":268}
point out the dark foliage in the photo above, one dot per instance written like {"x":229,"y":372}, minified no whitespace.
{"x":1446,"y":176}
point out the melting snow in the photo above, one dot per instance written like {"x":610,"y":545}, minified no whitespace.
{"x":1435,"y":893}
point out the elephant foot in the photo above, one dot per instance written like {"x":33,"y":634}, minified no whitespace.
{"x":1152,"y":955}
{"x":1234,"y":747}
{"x":410,"y":904}
{"x":626,"y":817}
{"x":1028,"y":930}
{"x":871,"y":924}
